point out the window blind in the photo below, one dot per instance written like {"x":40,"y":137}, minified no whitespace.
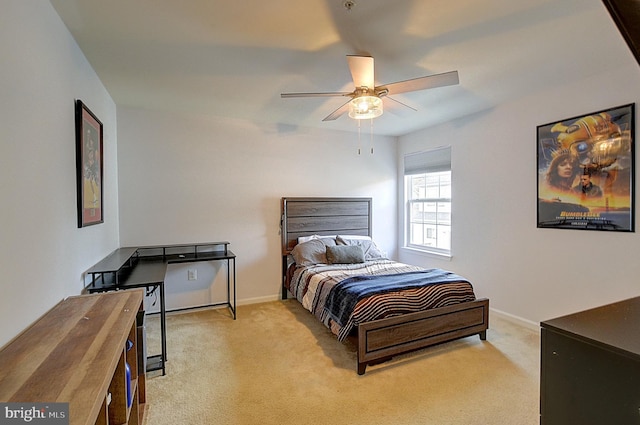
{"x":430,"y":161}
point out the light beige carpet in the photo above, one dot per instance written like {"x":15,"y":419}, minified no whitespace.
{"x":276,"y":364}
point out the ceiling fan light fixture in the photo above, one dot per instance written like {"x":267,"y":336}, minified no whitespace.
{"x":365,"y":107}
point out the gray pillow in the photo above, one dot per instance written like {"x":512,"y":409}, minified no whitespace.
{"x":369,"y":247}
{"x":345,"y":254}
{"x":312,"y":252}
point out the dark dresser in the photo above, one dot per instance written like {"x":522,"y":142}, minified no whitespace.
{"x":590,"y":367}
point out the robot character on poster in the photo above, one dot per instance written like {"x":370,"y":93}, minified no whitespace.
{"x":586,"y":171}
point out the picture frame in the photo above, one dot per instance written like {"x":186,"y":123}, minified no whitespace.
{"x":586,"y":171}
{"x":89,"y":166}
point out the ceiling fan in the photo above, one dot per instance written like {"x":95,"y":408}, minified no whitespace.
{"x":366,"y":98}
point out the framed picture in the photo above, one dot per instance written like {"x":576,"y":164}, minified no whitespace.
{"x":585,"y":171}
{"x":89,"y":166}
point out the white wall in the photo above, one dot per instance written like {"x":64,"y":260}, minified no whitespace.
{"x":533,"y":274}
{"x":42,"y":252}
{"x":185,"y":178}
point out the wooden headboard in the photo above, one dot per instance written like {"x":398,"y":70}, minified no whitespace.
{"x":323,"y":216}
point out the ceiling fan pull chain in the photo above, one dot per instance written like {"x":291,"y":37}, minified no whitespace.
{"x":371,"y":133}
{"x":359,"y":141}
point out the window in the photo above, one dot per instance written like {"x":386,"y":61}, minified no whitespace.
{"x":428,"y":200}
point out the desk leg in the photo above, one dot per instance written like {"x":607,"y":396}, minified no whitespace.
{"x":163,"y":327}
{"x":234,"y":289}
{"x":229,"y":285}
{"x":232,"y":307}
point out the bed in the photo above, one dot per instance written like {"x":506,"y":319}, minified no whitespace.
{"x":383,"y":330}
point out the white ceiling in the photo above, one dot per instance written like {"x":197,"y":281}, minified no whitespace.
{"x":234,"y":58}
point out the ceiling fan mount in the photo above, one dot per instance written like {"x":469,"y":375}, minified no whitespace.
{"x":366,"y":99}
{"x":366,"y":91}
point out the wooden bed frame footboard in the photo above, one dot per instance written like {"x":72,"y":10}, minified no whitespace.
{"x":379,"y":340}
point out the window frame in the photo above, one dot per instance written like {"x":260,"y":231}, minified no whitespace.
{"x":422,"y":164}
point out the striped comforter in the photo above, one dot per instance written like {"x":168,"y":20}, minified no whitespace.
{"x":311,"y":286}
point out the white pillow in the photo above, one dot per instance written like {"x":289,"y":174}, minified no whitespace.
{"x":359,"y":237}
{"x":303,"y":239}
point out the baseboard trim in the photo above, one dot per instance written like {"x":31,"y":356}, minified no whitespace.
{"x":258,"y":300}
{"x":534,"y":326}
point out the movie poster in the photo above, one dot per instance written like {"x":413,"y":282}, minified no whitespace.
{"x":586,"y":171}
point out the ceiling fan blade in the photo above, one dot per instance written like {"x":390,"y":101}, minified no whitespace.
{"x":361,"y":68}
{"x":400,"y":103}
{"x":422,"y":83}
{"x":338,"y":112}
{"x":397,"y":108}
{"x":325,"y":94}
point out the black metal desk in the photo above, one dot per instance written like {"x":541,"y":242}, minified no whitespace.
{"x":146,"y":267}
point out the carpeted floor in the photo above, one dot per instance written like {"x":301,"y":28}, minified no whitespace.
{"x":276,"y":364}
